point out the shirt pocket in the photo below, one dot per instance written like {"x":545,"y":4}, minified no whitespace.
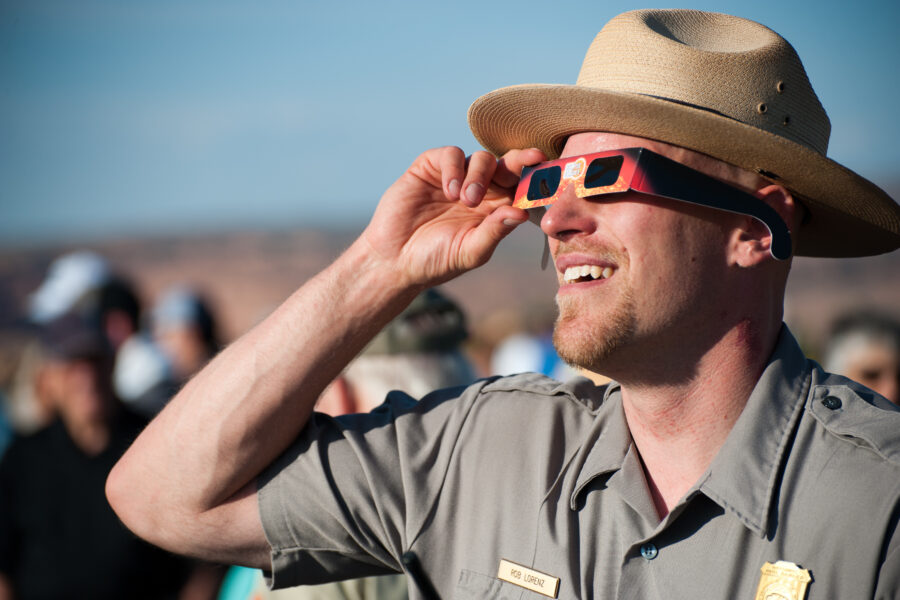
{"x":475,"y":586}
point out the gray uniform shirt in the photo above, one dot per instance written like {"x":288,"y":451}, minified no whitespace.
{"x":545,"y":475}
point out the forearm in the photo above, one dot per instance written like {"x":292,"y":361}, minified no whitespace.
{"x":241,"y":411}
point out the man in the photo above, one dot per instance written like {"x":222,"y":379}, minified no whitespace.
{"x":58,"y":536}
{"x":721,"y":464}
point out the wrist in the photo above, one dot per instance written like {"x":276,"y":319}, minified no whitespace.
{"x":388,"y":273}
{"x":384,"y":286}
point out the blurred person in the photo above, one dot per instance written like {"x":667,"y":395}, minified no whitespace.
{"x":116,"y":306}
{"x":687,"y":165}
{"x":419,"y":351}
{"x":142,"y":376}
{"x":69,"y":279}
{"x":865,"y":346}
{"x":58,"y":536}
{"x":85,"y":282}
{"x":185,"y":329}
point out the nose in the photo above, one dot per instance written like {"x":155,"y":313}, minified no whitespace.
{"x":568,"y":217}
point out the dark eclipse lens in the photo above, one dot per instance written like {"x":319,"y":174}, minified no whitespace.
{"x":603,"y":171}
{"x":544,"y":183}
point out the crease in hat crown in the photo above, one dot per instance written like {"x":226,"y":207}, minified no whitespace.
{"x":721,"y":85}
{"x":724,"y":64}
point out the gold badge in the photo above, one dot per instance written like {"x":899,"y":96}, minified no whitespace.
{"x":782,"y":581}
{"x":528,"y":578}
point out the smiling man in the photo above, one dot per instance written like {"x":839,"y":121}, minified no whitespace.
{"x":720,"y":462}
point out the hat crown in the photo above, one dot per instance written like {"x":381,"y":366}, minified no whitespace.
{"x":731,"y":66}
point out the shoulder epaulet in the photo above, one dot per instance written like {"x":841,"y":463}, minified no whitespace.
{"x":579,"y":389}
{"x":854,"y":412}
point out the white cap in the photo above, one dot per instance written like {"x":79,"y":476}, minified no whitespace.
{"x":69,"y":277}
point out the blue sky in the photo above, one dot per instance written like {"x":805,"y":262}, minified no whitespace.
{"x":122,"y":118}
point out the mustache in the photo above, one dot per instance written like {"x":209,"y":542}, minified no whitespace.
{"x":594,"y":250}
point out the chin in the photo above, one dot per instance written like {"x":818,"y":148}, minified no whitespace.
{"x":587,"y":337}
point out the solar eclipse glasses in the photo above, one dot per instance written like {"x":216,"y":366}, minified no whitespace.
{"x":646,"y":172}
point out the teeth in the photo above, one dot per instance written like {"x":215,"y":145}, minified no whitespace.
{"x":593,"y":271}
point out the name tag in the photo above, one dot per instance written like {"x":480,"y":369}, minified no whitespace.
{"x":528,"y":578}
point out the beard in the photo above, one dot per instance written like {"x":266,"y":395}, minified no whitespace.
{"x":584,"y":339}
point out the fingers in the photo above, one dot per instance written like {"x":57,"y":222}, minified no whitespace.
{"x":468,"y":179}
{"x":479,"y":174}
{"x":510,"y":165}
{"x":452,"y":164}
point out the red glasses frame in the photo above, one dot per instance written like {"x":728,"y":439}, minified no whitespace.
{"x":645,"y":172}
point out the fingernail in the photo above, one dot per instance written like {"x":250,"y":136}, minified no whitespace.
{"x":454,"y":188}
{"x":474,"y":193}
{"x":511,"y":222}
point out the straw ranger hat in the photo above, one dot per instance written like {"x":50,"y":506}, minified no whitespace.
{"x":721,"y":85}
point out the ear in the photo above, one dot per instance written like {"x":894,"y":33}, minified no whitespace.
{"x":751,"y":241}
{"x":337,"y":399}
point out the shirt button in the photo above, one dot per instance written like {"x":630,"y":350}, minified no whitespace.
{"x":649,"y":551}
{"x":831,"y":402}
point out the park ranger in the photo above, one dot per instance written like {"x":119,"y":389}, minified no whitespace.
{"x":674,"y":181}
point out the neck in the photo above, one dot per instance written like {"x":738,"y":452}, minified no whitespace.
{"x":679,"y":423}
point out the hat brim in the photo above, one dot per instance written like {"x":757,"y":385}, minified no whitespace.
{"x":848,"y":215}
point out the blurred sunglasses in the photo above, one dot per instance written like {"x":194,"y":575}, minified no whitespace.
{"x":646,"y":172}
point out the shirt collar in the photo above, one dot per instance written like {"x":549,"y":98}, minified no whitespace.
{"x":744,"y":474}
{"x":606,"y":446}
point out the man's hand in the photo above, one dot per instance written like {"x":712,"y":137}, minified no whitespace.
{"x":447,"y":213}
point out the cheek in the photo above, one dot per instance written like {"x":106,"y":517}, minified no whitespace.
{"x":698,"y":246}
{"x":677,"y":260}
{"x":658,"y":244}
